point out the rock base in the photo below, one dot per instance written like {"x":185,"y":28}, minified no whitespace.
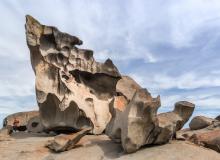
{"x":92,"y":147}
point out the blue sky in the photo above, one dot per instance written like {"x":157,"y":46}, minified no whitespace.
{"x":170,"y":47}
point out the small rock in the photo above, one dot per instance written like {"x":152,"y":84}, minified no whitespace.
{"x":66,"y":142}
{"x":200,"y":122}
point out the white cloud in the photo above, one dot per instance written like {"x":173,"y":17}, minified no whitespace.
{"x":188,"y":86}
{"x":188,"y":80}
{"x":202,"y":101}
{"x":11,"y":109}
{"x":16,"y":79}
{"x":189,"y":17}
{"x":208,"y":102}
{"x":169,"y":101}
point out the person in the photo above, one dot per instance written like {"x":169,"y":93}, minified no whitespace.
{"x":15,"y":124}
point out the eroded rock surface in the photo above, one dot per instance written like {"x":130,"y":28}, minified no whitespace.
{"x":171,"y":122}
{"x":21,"y":117}
{"x":207,"y":136}
{"x":75,"y":92}
{"x":134,"y":125}
{"x":34,"y":125}
{"x":138,"y":124}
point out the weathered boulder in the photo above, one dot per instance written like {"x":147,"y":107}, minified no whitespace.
{"x":137,"y":124}
{"x":134,"y":124}
{"x":21,"y":117}
{"x":200,"y":122}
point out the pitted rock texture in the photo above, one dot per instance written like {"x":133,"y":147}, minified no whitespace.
{"x":21,"y":117}
{"x":34,"y":125}
{"x":75,"y":92}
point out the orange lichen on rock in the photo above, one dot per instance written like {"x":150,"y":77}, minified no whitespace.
{"x":120,"y":103}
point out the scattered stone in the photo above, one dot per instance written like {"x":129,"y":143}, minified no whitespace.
{"x":200,"y":122}
{"x":66,"y":142}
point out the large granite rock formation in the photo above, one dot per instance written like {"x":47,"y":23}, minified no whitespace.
{"x":75,"y":92}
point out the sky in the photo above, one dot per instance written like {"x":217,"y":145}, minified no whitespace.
{"x":169,"y":47}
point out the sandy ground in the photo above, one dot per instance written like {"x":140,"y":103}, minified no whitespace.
{"x":24,"y":146}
